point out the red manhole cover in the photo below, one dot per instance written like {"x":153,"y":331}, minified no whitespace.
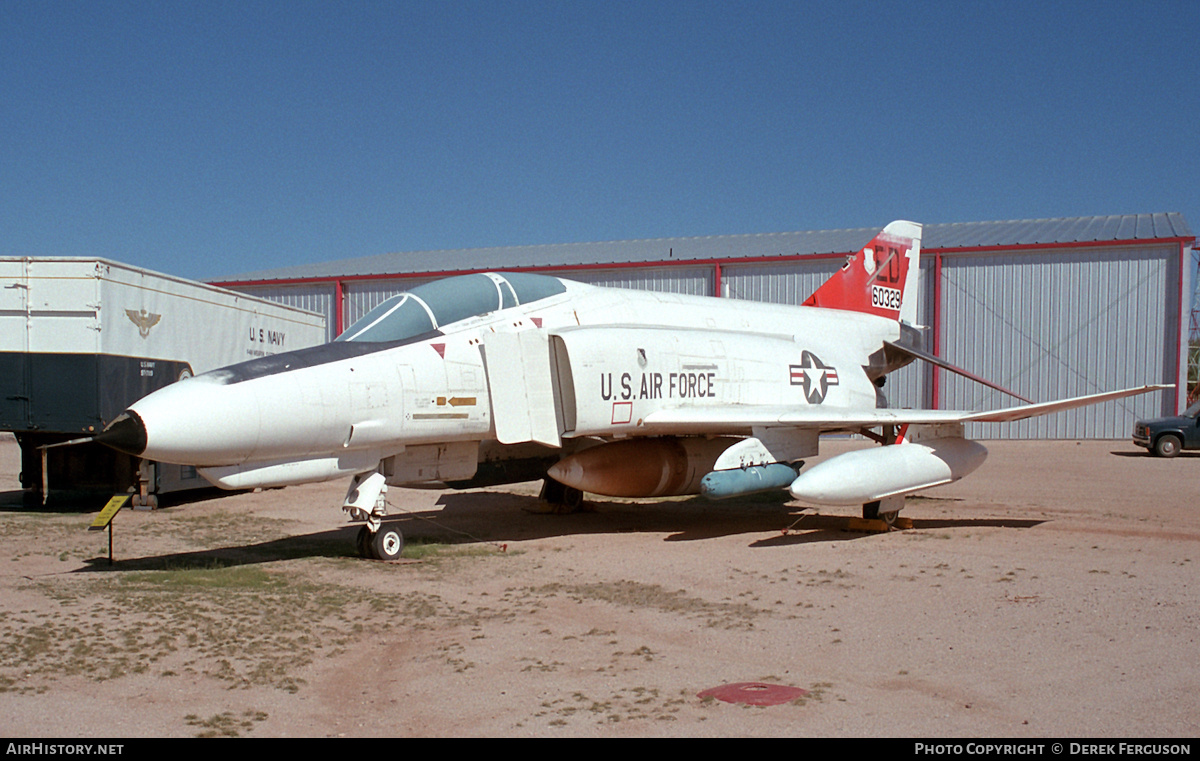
{"x":754,"y":693}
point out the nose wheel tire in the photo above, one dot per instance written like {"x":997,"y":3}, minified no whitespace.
{"x":385,"y":544}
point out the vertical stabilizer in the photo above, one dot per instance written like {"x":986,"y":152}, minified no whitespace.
{"x":881,"y":278}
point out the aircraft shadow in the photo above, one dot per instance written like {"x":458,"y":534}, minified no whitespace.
{"x":683,"y":520}
{"x":335,"y":543}
{"x":1148,"y":455}
{"x":814,"y":527}
{"x":499,"y":518}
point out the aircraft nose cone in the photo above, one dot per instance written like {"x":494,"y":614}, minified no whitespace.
{"x":125,"y":434}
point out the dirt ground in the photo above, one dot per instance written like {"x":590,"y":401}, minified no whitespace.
{"x":1050,"y":594}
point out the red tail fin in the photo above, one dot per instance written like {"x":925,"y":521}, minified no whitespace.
{"x":880,"y":279}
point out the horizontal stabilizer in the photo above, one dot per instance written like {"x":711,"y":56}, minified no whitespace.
{"x":1009,"y":414}
{"x":939,"y":362}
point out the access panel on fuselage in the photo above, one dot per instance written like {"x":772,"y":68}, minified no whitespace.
{"x":521,"y":388}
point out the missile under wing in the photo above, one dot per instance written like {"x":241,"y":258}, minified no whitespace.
{"x":502,"y":377}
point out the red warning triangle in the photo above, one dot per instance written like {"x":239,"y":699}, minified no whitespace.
{"x":537,"y":321}
{"x":440,"y":349}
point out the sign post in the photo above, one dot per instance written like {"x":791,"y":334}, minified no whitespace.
{"x":105,"y":519}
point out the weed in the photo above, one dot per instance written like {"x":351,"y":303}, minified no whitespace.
{"x":244,"y":625}
{"x":635,"y":595}
{"x":225,"y":724}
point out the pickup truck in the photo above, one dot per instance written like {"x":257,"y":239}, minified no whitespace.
{"x":1167,"y":436}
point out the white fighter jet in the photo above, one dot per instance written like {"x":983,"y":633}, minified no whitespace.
{"x":504,"y":377}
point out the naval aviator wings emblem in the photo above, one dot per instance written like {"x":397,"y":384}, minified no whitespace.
{"x":144,"y":320}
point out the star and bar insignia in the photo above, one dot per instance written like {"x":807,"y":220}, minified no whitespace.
{"x":813,"y":376}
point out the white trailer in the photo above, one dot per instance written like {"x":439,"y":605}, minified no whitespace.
{"x":81,"y":339}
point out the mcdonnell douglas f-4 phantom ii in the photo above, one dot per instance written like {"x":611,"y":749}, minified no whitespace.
{"x":496,"y":378}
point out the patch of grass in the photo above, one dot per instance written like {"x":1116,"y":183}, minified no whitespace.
{"x":635,"y":595}
{"x":420,"y":549}
{"x":211,"y":528}
{"x":252,"y":615}
{"x":59,"y":535}
{"x":225,"y":724}
{"x":212,"y":575}
{"x":625,"y":704}
{"x":241,"y":624}
{"x":816,"y":694}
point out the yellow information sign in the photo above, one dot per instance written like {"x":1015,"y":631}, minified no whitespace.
{"x":106,"y":515}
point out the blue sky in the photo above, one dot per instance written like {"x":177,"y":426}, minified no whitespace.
{"x":210,"y":138}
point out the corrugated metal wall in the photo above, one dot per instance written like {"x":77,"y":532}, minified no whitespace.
{"x":361,"y":296}
{"x":315,"y":297}
{"x":1058,"y":325}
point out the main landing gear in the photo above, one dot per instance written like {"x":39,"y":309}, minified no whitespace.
{"x":560,"y":497}
{"x":366,"y":500}
{"x":885,"y":510}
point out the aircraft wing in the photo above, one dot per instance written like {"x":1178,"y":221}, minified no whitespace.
{"x":708,"y":419}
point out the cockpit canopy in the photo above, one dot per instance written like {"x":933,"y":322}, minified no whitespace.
{"x":428,"y":307}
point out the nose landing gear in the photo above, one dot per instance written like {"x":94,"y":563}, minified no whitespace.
{"x":366,"y":500}
{"x":387,"y":543}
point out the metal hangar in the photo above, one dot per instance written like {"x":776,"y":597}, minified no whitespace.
{"x":1051,"y":308}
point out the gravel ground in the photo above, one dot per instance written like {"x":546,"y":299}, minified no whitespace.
{"x":1048,"y":595}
